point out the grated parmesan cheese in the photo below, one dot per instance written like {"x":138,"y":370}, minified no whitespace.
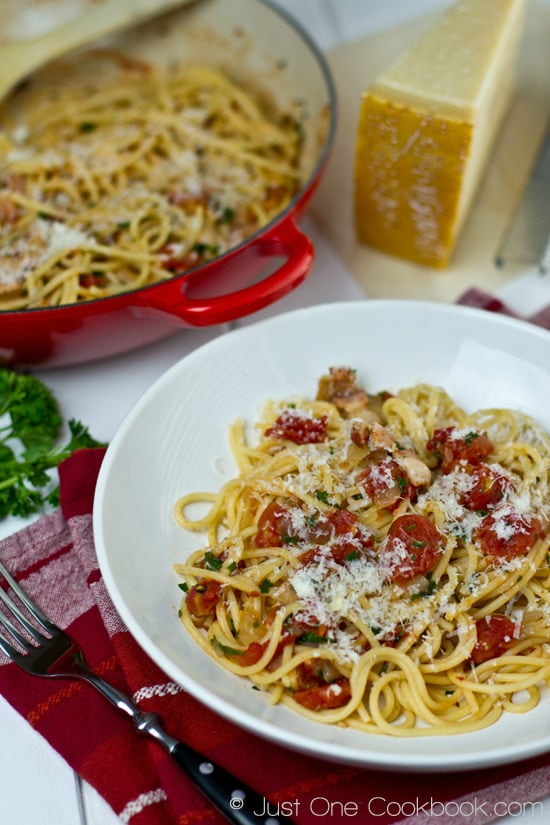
{"x":60,"y":238}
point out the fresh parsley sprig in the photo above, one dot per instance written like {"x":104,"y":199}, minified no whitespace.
{"x":30,"y":427}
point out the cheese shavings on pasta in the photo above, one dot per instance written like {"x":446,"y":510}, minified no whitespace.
{"x":381,"y":561}
{"x":115,"y":176}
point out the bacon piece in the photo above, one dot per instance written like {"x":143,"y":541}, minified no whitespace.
{"x":380,"y":440}
{"x":386,"y":483}
{"x":340,"y":388}
{"x":360,"y":433}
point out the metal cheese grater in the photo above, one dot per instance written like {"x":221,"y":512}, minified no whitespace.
{"x":526,"y":239}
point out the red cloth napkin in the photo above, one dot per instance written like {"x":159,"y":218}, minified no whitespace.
{"x":475,"y":297}
{"x":56,"y":563}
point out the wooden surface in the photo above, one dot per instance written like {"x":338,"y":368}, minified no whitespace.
{"x":381,"y":276}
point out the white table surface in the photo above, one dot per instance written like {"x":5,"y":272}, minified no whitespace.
{"x":36,"y":786}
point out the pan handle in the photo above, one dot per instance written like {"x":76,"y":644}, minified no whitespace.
{"x":284,"y":239}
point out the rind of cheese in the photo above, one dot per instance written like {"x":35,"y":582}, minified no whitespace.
{"x":426,"y":129}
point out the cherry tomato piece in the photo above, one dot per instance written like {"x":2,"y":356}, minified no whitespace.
{"x":326,"y":526}
{"x":505,"y":533}
{"x":472,"y":448}
{"x":495,"y":634}
{"x":325,"y":697}
{"x":202,"y":598}
{"x":293,"y":425}
{"x":273,"y":525}
{"x":412,"y":547}
{"x":251,"y":655}
{"x":488,"y":487}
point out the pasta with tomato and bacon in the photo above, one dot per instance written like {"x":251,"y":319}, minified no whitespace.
{"x":381,"y":561}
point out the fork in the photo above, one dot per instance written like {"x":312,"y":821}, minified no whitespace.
{"x":43,"y":649}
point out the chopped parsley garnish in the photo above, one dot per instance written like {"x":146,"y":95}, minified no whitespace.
{"x":183,"y":586}
{"x":211,"y":561}
{"x":205,"y":249}
{"x":225,"y":649}
{"x":322,"y":495}
{"x":266,"y":585}
{"x":31,"y":425}
{"x":469,"y":437}
{"x":428,"y":591}
{"x":312,"y":638}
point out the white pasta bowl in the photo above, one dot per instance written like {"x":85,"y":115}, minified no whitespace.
{"x":174,"y":441}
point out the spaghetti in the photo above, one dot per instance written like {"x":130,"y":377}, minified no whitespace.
{"x":124,"y":178}
{"x":380,"y":562}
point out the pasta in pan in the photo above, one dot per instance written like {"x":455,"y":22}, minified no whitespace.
{"x":126,"y":176}
{"x":380,"y":561}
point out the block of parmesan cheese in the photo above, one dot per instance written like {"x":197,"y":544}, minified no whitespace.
{"x":426,"y":128}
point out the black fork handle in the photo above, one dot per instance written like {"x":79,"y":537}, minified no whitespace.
{"x":237,"y":802}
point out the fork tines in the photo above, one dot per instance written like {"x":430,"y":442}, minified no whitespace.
{"x":16,"y":613}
